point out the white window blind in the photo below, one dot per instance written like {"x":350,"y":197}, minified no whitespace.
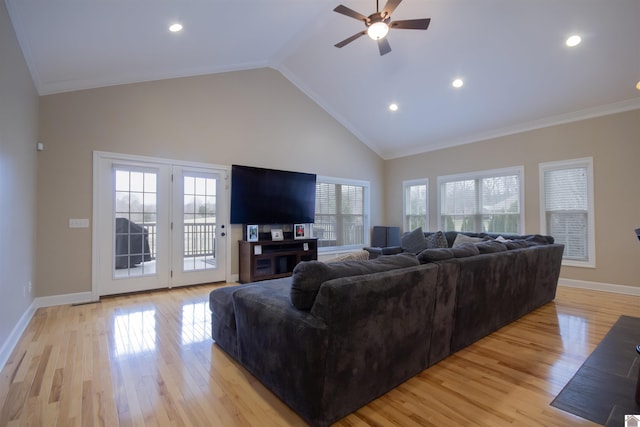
{"x":488,"y":201}
{"x":416,"y":206}
{"x":341,"y":213}
{"x":567,"y":208}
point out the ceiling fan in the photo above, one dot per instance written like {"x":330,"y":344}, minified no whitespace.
{"x":379,"y":23}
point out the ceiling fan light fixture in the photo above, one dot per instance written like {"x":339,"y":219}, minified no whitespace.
{"x":573,"y":40}
{"x":378,"y":30}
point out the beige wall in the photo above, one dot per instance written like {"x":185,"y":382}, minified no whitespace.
{"x":258,"y":118}
{"x":18,"y":137}
{"x":613,"y":142}
{"x":254,"y":117}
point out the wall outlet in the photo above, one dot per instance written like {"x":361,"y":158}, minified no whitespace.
{"x":78,"y":223}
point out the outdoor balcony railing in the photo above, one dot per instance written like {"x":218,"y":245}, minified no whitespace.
{"x":199,"y":239}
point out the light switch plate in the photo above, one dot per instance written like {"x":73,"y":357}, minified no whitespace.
{"x":78,"y":223}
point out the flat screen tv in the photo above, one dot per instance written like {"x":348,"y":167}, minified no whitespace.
{"x":268,"y":196}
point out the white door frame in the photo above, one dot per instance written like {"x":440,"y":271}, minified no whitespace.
{"x":98,"y":157}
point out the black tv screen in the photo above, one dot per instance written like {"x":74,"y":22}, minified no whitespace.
{"x":268,"y":196}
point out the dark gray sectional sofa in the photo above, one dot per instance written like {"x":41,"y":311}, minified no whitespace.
{"x":333,"y":337}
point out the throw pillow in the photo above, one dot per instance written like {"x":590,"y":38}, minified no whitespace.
{"x":308,"y":276}
{"x":414,"y":241}
{"x":437,"y":240}
{"x":461,"y":239}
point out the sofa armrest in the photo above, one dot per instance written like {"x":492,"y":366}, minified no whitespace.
{"x":375,"y":252}
{"x":380,"y":329}
{"x":285,"y":348}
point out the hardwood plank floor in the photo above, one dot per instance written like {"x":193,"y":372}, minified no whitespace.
{"x":148,"y":360}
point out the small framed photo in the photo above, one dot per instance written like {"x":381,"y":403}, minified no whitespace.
{"x":276,"y":234}
{"x":252,"y":233}
{"x":300,"y":231}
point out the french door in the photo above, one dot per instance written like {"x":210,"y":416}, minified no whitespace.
{"x":157,"y":224}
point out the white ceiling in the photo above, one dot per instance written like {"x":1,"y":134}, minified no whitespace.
{"x":518,"y":73}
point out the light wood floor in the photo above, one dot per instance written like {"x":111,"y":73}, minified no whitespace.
{"x":148,"y":359}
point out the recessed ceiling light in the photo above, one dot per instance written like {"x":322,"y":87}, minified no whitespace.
{"x":174,"y":28}
{"x":573,"y":41}
{"x":457,"y":83}
{"x":393,"y":107}
{"x":638,"y":85}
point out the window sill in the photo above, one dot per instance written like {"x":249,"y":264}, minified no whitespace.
{"x":574,"y":263}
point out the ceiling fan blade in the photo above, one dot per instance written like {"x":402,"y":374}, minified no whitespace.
{"x":383,"y":46}
{"x":411,"y":24}
{"x":350,"y":39}
{"x":350,"y":13}
{"x":390,"y":7}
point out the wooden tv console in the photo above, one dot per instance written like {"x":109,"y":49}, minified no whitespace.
{"x":268,"y":259}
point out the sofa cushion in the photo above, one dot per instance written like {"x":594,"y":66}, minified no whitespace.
{"x":489,"y":247}
{"x":538,"y":239}
{"x":441,"y":254}
{"x":465,"y":250}
{"x":308,"y":276}
{"x":516,"y":244}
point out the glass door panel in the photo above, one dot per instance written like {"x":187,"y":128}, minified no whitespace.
{"x":135,"y":222}
{"x":199,"y":226}
{"x":199,"y":221}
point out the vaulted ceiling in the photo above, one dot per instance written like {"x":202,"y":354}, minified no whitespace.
{"x":518,"y":73}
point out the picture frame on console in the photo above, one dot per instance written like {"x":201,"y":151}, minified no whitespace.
{"x":276,"y":234}
{"x":252,"y":233}
{"x":300,"y":231}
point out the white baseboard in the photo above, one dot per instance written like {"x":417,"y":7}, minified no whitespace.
{"x":77,"y":298}
{"x":23,"y":322}
{"x":16,"y":334}
{"x":602,"y":287}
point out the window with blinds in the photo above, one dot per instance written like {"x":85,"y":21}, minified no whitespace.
{"x":567,"y":208}
{"x":342,"y":208}
{"x":488,"y":201}
{"x":416,"y":204}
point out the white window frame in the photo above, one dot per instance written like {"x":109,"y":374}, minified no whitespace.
{"x":584,"y":162}
{"x":366,"y":219}
{"x":405,"y":187}
{"x":513,"y":170}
